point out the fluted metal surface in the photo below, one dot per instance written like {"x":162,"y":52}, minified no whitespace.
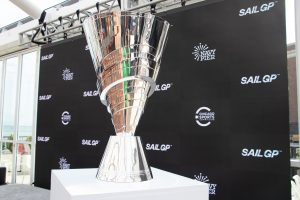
{"x":124,"y":161}
{"x":126,"y":49}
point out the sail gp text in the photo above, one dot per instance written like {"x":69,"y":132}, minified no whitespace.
{"x":257,"y":9}
{"x":90,"y":142}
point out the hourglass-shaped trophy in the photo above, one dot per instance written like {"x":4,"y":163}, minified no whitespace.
{"x":126,"y":50}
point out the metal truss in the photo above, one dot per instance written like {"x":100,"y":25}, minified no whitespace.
{"x":69,"y":26}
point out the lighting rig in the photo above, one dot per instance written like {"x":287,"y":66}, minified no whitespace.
{"x":70,"y":25}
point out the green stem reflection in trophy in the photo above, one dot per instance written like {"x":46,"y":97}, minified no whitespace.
{"x":126,"y":66}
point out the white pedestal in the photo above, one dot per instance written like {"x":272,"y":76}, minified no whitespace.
{"x":81,"y":184}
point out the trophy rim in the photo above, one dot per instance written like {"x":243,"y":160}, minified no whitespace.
{"x":125,"y":13}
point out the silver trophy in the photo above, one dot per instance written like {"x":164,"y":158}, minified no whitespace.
{"x":126,"y":50}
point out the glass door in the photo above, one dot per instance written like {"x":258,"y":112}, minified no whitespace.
{"x":19,"y":79}
{"x":26,"y":117}
{"x":10,"y":76}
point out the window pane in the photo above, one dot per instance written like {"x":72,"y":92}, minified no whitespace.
{"x":27,"y":96}
{"x":23,"y":163}
{"x":7,"y":159}
{"x":10,"y":95}
{"x":1,"y":70}
{"x":292,"y":81}
{"x":290,"y":21}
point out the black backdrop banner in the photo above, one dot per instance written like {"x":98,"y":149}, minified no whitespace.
{"x":219,"y":113}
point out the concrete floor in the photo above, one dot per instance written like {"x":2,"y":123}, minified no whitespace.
{"x":23,"y":192}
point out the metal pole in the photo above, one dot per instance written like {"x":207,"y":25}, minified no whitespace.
{"x":124,"y":5}
{"x":29,"y":7}
{"x":34,"y":121}
{"x":145,"y":5}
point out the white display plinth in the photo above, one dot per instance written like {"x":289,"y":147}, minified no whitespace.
{"x":81,"y":184}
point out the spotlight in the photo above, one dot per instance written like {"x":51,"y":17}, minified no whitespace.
{"x":152,"y":8}
{"x":183,"y":2}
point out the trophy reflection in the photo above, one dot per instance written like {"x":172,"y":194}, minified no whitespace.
{"x":126,"y":50}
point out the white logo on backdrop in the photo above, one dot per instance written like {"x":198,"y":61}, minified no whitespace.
{"x":43,"y":139}
{"x":203,"y":53}
{"x":257,"y":9}
{"x":204,"y":116}
{"x":45,"y":97}
{"x":163,"y":87}
{"x":205,"y":179}
{"x":158,"y":147}
{"x":259,"y":79}
{"x":90,"y":93}
{"x":65,"y":118}
{"x":85,"y":142}
{"x":67,"y":75}
{"x":63,"y":163}
{"x":259,"y":153}
{"x":47,"y":57}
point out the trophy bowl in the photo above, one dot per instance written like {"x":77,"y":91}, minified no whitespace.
{"x":126,"y":49}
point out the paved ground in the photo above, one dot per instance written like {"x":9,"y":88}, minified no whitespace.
{"x":23,"y":192}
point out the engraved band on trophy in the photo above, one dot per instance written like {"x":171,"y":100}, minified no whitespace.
{"x":126,"y":50}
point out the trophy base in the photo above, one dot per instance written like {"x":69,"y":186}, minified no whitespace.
{"x":124,"y":161}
